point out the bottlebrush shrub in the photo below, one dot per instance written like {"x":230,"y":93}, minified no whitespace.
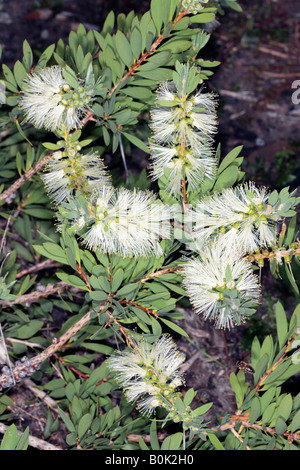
{"x":111,"y":258}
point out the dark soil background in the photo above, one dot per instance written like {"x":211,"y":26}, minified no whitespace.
{"x":259,"y":52}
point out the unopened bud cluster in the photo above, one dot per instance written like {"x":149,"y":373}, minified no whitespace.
{"x":22,"y":368}
{"x":193,"y":6}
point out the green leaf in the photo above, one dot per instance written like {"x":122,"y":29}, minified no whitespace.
{"x":255,"y":410}
{"x":290,"y":275}
{"x":28,"y":56}
{"x":227,"y":178}
{"x":189,"y":396}
{"x":203,"y":18}
{"x":202,"y":409}
{"x":142,"y":444}
{"x":117,"y":279}
{"x":281,"y":324}
{"x":176,"y":46}
{"x":72,"y":280}
{"x":124,"y":49}
{"x":285,"y":407}
{"x":153,"y":436}
{"x":175,"y":327}
{"x":268,"y":413}
{"x":19,"y":72}
{"x":155,"y":9}
{"x":159,"y":74}
{"x":128,"y":289}
{"x":11,"y":439}
{"x":255,"y":352}
{"x":136,"y":141}
{"x":109,"y":23}
{"x":260,"y":367}
{"x":236,"y":387}
{"x":10,"y":81}
{"x":84,"y":425}
{"x":280,"y":426}
{"x":70,"y":76}
{"x":136,"y":43}
{"x":139,"y":93}
{"x":266,"y":398}
{"x":23,"y":440}
{"x":98,"y":295}
{"x":291,"y":230}
{"x":55,"y":251}
{"x":70,"y":426}
{"x":46,"y":56}
{"x":30,"y":329}
{"x":215,"y":441}
{"x":172,"y":442}
{"x":39,"y":213}
{"x":51,"y":146}
{"x":295,"y":424}
{"x":230,"y":157}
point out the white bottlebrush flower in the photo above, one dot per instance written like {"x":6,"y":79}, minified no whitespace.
{"x":64,"y":174}
{"x":238,"y":217}
{"x":130,"y":223}
{"x":148,"y":371}
{"x":48,"y":101}
{"x":221,"y":286}
{"x":166,"y":92}
{"x":182,"y":127}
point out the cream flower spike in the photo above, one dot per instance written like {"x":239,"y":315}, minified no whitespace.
{"x":181,"y":144}
{"x":238,"y":217}
{"x":64,"y":175}
{"x":221,"y":286}
{"x":148,"y":372}
{"x":48,"y":100}
{"x":129,"y":223}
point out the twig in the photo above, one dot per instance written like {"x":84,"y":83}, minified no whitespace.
{"x":236,"y":434}
{"x":36,"y":295}
{"x":17,"y":184}
{"x":145,"y":56}
{"x":48,"y":263}
{"x":57,"y":343}
{"x":159,"y":273}
{"x":260,"y":383}
{"x":40,"y":394}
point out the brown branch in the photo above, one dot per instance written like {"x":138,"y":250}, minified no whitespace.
{"x":260,"y":383}
{"x":36,"y":295}
{"x":48,"y":263}
{"x":17,"y":184}
{"x":243,"y":421}
{"x":284,"y":253}
{"x":30,"y":365}
{"x":145,"y":56}
{"x":134,"y":304}
{"x":160,"y":273}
